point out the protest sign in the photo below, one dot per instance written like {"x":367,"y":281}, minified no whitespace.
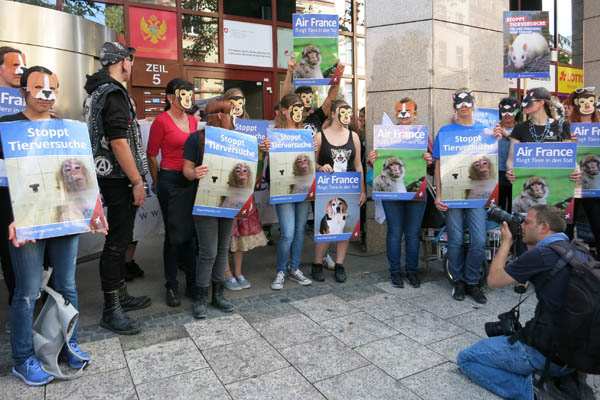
{"x":337,"y":214}
{"x":486,"y":116}
{"x":399,"y":170}
{"x":258,"y":129}
{"x":51,"y":178}
{"x":542,"y":176}
{"x":588,"y":159}
{"x":316,"y":49}
{"x":226,"y":190}
{"x":469,"y":165}
{"x":292,"y":158}
{"x":526,"y":44}
{"x":11,"y":101}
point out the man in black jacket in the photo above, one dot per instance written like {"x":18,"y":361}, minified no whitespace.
{"x":120,"y":162}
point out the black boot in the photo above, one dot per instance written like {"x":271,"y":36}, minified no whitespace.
{"x":130,"y":303}
{"x":133,"y":270}
{"x":218,"y":300}
{"x":338,"y":273}
{"x":113,"y":317}
{"x":200,"y":302}
{"x":317,"y":272}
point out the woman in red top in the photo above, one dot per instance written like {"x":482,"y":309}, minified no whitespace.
{"x":168,"y":134}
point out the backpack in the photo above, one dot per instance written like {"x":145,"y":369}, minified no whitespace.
{"x":577,"y":338}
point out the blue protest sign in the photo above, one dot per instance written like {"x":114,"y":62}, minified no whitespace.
{"x":588,"y":159}
{"x":486,"y":116}
{"x":252,"y":127}
{"x":11,"y":101}
{"x":315,"y":48}
{"x":337,"y":214}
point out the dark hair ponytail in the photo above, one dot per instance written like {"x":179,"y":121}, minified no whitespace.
{"x":172,"y":86}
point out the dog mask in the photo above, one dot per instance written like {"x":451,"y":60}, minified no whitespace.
{"x":42,"y":86}
{"x":585,"y":103}
{"x":15,"y":62}
{"x":463,"y":99}
{"x":509,"y":109}
{"x":344,"y":114}
{"x":405,"y":110}
{"x":184,"y":97}
{"x":238,"y":102}
{"x":296,"y":112}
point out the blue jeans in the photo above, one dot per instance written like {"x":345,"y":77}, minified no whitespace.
{"x":403,"y":217}
{"x":466,"y":270}
{"x":292,"y":222}
{"x":503,"y":368}
{"x":27,"y":261}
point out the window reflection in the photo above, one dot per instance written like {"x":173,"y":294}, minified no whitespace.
{"x":109,"y":15}
{"x":40,"y":3}
{"x":285,"y":9}
{"x":166,"y":3}
{"x":260,"y":9}
{"x":343,"y":8}
{"x":361,"y":57}
{"x":200,"y":38}
{"x":345,"y":52}
{"x":201,"y":5}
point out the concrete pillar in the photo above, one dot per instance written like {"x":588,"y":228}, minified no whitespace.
{"x":426,"y":49}
{"x":591,"y":44}
{"x":577,"y":29}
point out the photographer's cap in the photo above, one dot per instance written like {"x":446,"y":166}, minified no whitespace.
{"x":113,"y":52}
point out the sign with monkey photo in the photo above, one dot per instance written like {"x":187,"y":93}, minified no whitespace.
{"x":337,"y":214}
{"x":526,"y":44}
{"x":542,"y":176}
{"x":588,"y":159}
{"x":51,"y":178}
{"x":292,"y":165}
{"x":399,"y":170}
{"x":316,"y":49}
{"x":469,"y":167}
{"x":226,"y":190}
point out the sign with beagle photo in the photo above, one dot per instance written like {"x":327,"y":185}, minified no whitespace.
{"x":226,"y":190}
{"x":542,"y":176}
{"x":337,"y":214}
{"x":468,"y":166}
{"x":51,"y":178}
{"x":292,"y":168}
{"x":399,"y":170}
{"x":588,"y":159}
{"x":316,"y":49}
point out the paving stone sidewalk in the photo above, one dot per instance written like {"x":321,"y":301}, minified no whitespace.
{"x":360,"y":340}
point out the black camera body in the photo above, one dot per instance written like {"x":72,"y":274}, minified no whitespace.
{"x":513,"y":220}
{"x":507,"y":324}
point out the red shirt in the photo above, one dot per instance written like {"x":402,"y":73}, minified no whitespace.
{"x":166,"y":137}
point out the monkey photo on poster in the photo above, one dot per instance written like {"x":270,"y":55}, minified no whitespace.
{"x":588,"y":159}
{"x":526,"y":44}
{"x":316,"y":49}
{"x":51,"y":178}
{"x":542,"y":176}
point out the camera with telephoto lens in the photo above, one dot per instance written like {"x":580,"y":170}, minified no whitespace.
{"x":507,"y":325}
{"x":513,"y":220}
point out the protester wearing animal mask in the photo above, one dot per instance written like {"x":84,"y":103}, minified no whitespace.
{"x":403,"y":217}
{"x":12,"y":66}
{"x":339,"y":140}
{"x":509,"y":113}
{"x":238,"y":101}
{"x":168,"y":134}
{"x":39,"y":88}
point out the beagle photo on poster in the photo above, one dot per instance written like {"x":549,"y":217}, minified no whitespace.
{"x":334,"y":220}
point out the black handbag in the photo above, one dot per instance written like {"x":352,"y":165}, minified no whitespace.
{"x":181,"y":203}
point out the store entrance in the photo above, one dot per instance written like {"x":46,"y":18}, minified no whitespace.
{"x":256,"y":86}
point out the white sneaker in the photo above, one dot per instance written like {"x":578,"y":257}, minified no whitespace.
{"x":279,"y":281}
{"x":298,"y":277}
{"x":328,"y":261}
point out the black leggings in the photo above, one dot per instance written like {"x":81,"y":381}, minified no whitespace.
{"x":592,"y":210}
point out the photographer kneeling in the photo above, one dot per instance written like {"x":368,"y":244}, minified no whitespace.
{"x":506,"y":364}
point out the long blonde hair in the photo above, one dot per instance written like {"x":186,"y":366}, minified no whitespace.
{"x":286,"y":102}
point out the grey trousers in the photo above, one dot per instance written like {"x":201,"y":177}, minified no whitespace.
{"x":214,"y":235}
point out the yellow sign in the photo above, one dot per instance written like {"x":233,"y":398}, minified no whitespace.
{"x":569,"y":79}
{"x":151,"y":29}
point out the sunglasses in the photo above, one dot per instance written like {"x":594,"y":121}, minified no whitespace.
{"x":585,"y":89}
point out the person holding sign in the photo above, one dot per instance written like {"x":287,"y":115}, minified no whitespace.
{"x":509,"y":110}
{"x":403,"y":217}
{"x":39,"y":88}
{"x":337,"y":149}
{"x":292,"y":216}
{"x":464,"y":271}
{"x":168,"y":134}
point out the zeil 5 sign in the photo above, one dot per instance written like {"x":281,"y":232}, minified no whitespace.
{"x":155,"y":72}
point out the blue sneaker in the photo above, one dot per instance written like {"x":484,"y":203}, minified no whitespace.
{"x":232,"y":284}
{"x":243,"y":282}
{"x":73,"y":361}
{"x":31,"y":372}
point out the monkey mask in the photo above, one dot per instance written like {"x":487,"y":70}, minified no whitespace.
{"x":239,"y":103}
{"x":15,"y":62}
{"x":296,"y":112}
{"x":464,"y":99}
{"x":405,"y":110}
{"x":586,"y":103}
{"x":511,"y":109}
{"x":42,"y":86}
{"x":184,"y":97}
{"x":306,"y":94}
{"x":344,"y":114}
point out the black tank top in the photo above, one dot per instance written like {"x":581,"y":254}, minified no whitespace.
{"x":341,"y":158}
